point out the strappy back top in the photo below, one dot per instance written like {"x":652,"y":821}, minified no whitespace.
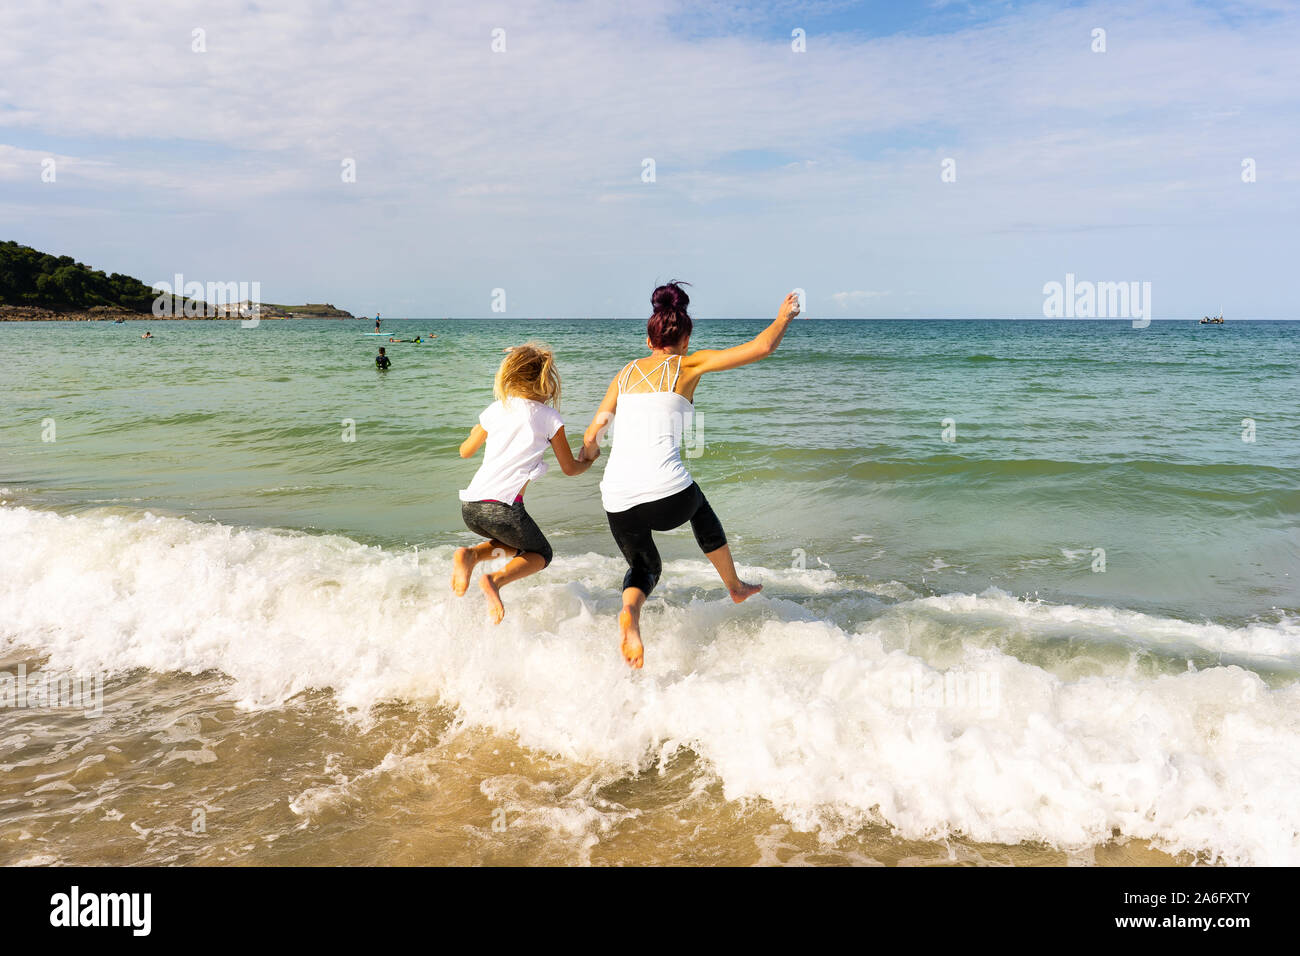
{"x":646,"y":463}
{"x":656,"y":380}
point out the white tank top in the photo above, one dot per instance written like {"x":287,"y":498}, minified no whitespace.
{"x":646,"y":463}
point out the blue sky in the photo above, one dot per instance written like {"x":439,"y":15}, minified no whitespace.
{"x":522,"y":170}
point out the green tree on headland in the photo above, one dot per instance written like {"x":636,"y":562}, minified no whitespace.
{"x":30,"y":277}
{"x":59,"y":285}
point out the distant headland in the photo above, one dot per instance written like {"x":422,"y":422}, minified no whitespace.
{"x":39,"y":287}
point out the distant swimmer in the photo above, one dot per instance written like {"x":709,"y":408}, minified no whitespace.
{"x":382,"y":361}
{"x":147,"y":335}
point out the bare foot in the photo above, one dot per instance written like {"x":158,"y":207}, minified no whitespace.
{"x":462,"y":563}
{"x":744,"y":591}
{"x":629,"y":629}
{"x":496,"y":610}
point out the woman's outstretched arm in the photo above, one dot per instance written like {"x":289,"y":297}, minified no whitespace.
{"x":759,"y":347}
{"x":604,"y":415}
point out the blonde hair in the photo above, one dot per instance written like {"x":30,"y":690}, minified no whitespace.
{"x":529,"y":372}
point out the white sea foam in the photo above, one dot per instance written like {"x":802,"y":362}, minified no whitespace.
{"x":890,"y":712}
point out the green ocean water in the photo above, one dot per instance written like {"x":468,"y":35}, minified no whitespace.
{"x":1069,"y":436}
{"x":1069,"y":635}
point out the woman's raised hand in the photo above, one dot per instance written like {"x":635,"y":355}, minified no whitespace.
{"x":790,"y":307}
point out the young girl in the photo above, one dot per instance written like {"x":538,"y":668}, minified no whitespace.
{"x":517,"y":427}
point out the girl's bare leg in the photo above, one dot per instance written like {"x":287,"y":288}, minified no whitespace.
{"x":520,"y":566}
{"x":463,"y":561}
{"x":629,"y":627}
{"x":726,"y":568}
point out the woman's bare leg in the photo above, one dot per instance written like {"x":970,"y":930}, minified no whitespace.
{"x":726,"y":568}
{"x":520,"y":566}
{"x":629,"y":627}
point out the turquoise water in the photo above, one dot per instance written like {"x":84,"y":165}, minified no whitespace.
{"x":1070,"y":436}
{"x":1072,"y":634}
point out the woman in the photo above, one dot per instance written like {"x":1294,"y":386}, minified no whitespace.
{"x":646,"y":487}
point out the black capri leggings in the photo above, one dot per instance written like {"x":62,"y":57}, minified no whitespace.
{"x":632,"y":529}
{"x":505,"y":524}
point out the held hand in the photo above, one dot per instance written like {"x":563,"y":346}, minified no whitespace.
{"x":789,"y":308}
{"x":589,"y":453}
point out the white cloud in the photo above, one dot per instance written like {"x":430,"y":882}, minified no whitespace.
{"x":535,"y":154}
{"x":17,"y":165}
{"x":858,"y":296}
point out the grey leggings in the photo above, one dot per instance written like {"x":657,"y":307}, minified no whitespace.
{"x":507,"y":525}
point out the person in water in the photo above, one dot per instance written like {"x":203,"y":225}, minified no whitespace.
{"x":517,"y":427}
{"x":646,"y":487}
{"x":382,"y":361}
{"x":376,"y":321}
{"x":147,"y":335}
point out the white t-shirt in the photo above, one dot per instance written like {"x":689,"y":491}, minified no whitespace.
{"x":518,"y":432}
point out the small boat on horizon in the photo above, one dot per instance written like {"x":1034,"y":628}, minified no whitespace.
{"x":1215,"y":321}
